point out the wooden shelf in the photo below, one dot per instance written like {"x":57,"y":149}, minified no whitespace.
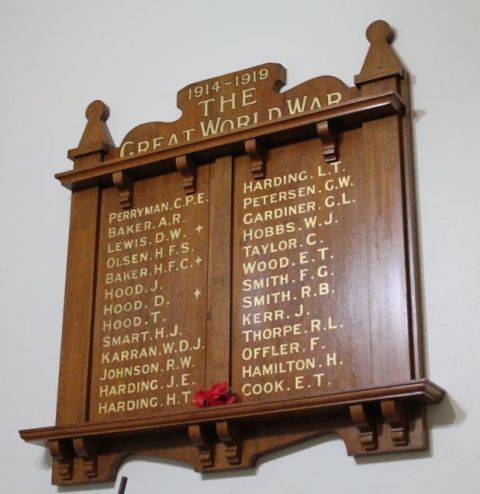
{"x":370,"y":421}
{"x":420,"y":391}
{"x":283,"y":173}
{"x":344,"y":115}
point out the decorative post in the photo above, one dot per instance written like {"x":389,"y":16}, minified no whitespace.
{"x":73,"y":390}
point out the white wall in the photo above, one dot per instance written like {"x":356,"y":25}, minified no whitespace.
{"x":58,"y":55}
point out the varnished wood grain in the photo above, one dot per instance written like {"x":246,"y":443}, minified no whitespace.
{"x":265,"y":239}
{"x":219,"y":264}
{"x":345,"y":115}
{"x":72,"y":402}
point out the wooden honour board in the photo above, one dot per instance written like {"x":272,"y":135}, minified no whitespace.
{"x":267,"y":240}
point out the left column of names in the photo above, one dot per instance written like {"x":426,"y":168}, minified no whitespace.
{"x":148,"y":353}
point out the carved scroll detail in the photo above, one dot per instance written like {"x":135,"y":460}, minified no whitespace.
{"x":199,"y":438}
{"x":62,"y":453}
{"x":85,"y":449}
{"x":229,"y":434}
{"x":256,"y":153}
{"x":329,"y":139}
{"x":124,"y":184}
{"x":186,"y":167}
{"x":365,"y":423}
{"x":394,"y":414}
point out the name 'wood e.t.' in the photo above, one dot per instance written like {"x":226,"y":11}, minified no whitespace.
{"x":266,"y":240}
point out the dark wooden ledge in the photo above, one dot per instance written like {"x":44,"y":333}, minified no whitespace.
{"x":420,"y":391}
{"x":343,"y":116}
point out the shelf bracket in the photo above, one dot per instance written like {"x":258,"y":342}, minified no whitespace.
{"x":62,"y":453}
{"x":124,"y":184}
{"x":85,"y":449}
{"x":199,"y":437}
{"x":229,"y":435}
{"x":256,"y":153}
{"x":186,"y":166}
{"x":329,"y":138}
{"x":394,"y":413}
{"x":362,"y":419}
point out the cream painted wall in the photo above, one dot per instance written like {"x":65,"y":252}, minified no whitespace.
{"x":58,"y":55}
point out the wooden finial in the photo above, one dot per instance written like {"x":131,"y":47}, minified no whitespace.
{"x":96,"y":137}
{"x":381,"y":61}
{"x":96,"y":130}
{"x":379,"y":31}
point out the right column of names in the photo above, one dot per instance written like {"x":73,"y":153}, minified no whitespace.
{"x":285,"y":326}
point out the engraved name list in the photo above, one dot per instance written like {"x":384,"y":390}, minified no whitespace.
{"x":152,"y":263}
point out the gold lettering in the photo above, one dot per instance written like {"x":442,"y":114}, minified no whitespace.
{"x":224,"y":100}
{"x":272,"y":111}
{"x":124,"y":145}
{"x":157,"y":142}
{"x":247,"y":95}
{"x":206,"y":106}
{"x":333,"y":98}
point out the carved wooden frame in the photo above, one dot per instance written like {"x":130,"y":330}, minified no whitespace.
{"x":370,"y":421}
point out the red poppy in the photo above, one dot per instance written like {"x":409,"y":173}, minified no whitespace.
{"x":218,"y":394}
{"x":200,"y":399}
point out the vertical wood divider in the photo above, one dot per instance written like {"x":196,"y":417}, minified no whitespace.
{"x":73,"y":385}
{"x":389,"y":312}
{"x":413,"y":255}
{"x":219,"y":272}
